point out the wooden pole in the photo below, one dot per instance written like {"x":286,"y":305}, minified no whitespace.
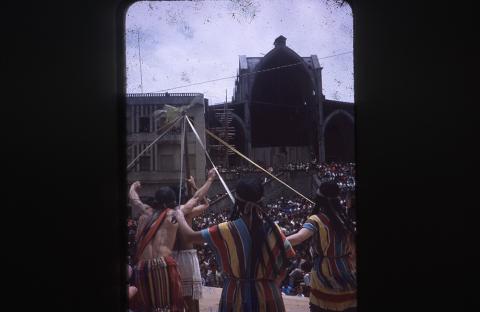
{"x":187,"y":164}
{"x":225,"y":131}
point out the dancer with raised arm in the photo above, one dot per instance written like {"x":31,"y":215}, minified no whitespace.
{"x":333,"y":282}
{"x":250,"y":250}
{"x":156,"y":275}
{"x":186,"y":256}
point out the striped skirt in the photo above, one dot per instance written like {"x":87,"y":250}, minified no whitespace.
{"x":242,"y":295}
{"x":159,"y":286}
{"x":330,"y":294}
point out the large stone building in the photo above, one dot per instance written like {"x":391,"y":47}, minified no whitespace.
{"x":280,"y":115}
{"x":160,"y":166}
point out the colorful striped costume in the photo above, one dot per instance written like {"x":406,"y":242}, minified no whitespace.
{"x":333,"y":277}
{"x":157,"y":280}
{"x":159,"y":286}
{"x":247,"y":287}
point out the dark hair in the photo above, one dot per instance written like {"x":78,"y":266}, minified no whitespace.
{"x":250,"y":189}
{"x":249,"y":192}
{"x":306,"y":266}
{"x":165,"y":198}
{"x":327,"y":202}
{"x":149,"y":201}
{"x":351,"y":212}
{"x":329,"y":189}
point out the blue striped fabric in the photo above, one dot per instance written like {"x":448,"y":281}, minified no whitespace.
{"x":247,"y":287}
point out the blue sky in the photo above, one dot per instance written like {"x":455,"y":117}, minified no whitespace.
{"x":186,"y":42}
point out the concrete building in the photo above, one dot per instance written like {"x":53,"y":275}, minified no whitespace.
{"x":280,"y":114}
{"x":160,"y":166}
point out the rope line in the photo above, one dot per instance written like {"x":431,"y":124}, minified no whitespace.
{"x":210,"y":159}
{"x":182,"y":147}
{"x":186,"y":119}
{"x":253,"y":163}
{"x":247,"y":74}
{"x":170,"y":127}
{"x":213,"y":202}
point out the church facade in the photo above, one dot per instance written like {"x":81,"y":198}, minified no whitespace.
{"x":280,"y":115}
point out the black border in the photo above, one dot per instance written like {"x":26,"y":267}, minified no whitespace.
{"x":63,"y":153}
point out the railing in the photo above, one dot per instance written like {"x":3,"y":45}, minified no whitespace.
{"x":163,"y":94}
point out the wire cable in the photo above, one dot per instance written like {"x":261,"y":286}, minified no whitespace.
{"x":247,"y":74}
{"x":182,"y":147}
{"x":255,"y":164}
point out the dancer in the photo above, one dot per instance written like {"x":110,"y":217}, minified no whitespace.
{"x":333,"y":283}
{"x":145,"y":210}
{"x":156,"y":275}
{"x":186,"y":256}
{"x":251,"y":251}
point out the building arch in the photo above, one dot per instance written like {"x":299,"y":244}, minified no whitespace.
{"x":334,"y":113}
{"x":339,"y":136}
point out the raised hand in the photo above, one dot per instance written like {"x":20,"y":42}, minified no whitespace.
{"x":211,"y":174}
{"x":136,"y":185}
{"x":191,"y":180}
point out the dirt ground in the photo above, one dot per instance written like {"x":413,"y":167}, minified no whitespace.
{"x":211,"y":297}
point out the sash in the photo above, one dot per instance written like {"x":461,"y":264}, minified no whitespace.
{"x":146,"y":239}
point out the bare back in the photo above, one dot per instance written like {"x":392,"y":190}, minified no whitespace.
{"x":182,"y":242}
{"x":163,"y":241}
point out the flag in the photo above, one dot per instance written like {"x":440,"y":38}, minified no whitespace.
{"x":170,"y":112}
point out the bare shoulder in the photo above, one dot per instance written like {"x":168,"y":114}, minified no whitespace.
{"x":171,"y":212}
{"x":171,"y":216}
{"x":143,"y":218}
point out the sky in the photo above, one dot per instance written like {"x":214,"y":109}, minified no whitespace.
{"x":190,"y":42}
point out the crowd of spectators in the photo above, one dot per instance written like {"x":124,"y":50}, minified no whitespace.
{"x":333,"y":167}
{"x":298,"y":166}
{"x":131,"y":231}
{"x":289,"y":214}
{"x":342,"y":173}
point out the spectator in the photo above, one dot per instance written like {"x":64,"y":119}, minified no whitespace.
{"x":132,"y":290}
{"x":296,"y":277}
{"x":214,"y":278}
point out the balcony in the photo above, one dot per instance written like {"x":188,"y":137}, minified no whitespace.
{"x":163,"y":94}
